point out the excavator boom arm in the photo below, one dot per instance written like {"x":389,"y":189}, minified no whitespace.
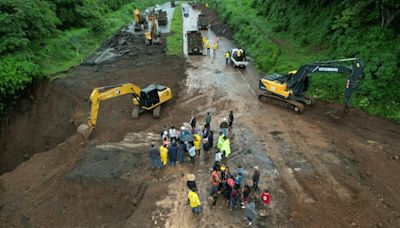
{"x":355,"y":73}
{"x":108,"y":92}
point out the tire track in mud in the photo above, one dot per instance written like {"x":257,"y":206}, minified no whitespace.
{"x":313,"y":157}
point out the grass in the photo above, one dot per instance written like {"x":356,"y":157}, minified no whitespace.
{"x":175,"y":39}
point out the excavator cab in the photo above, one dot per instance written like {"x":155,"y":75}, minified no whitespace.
{"x":149,"y":95}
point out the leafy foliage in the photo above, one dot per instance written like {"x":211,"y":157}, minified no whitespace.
{"x":16,"y":75}
{"x":24,"y":20}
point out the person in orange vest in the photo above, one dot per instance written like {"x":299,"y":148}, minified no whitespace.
{"x":215,"y":181}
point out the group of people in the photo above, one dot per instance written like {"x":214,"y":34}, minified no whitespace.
{"x":233,"y":188}
{"x":177,"y":144}
{"x":207,"y":45}
{"x":186,"y":141}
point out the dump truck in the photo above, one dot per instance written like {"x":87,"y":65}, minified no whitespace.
{"x":202,"y":22}
{"x":195,"y":43}
{"x":162,"y":18}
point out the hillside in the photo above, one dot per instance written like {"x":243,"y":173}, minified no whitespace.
{"x":283,"y":35}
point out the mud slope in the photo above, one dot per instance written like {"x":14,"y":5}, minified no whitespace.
{"x":60,"y":106}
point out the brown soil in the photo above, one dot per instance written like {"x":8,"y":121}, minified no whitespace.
{"x":49,"y":189}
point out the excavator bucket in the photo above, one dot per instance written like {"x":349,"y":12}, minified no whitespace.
{"x":85,"y":130}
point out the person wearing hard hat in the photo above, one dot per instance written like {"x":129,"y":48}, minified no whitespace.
{"x":204,"y":40}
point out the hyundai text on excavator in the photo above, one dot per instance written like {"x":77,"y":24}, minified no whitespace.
{"x":148,"y":99}
{"x":289,"y":90}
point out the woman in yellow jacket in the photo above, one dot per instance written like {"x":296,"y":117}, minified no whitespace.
{"x":197,"y":140}
{"x":164,"y":154}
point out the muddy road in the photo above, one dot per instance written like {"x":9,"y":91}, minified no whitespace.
{"x":320,"y":172}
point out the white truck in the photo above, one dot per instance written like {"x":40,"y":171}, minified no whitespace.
{"x":238,"y":58}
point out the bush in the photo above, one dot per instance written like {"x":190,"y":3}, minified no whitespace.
{"x":24,"y":20}
{"x":16,"y":75}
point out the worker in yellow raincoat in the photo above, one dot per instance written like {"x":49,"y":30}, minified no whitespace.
{"x":164,"y":154}
{"x":220,"y":141}
{"x":226,"y":147}
{"x":197,"y":140}
{"x":204,"y":40}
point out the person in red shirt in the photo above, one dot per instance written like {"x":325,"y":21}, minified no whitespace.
{"x":265,"y":197}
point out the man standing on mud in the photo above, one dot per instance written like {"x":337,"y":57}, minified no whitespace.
{"x":155,"y":158}
{"x":230,"y":120}
{"x":256,"y":178}
{"x":207,"y":120}
{"x":193,"y":122}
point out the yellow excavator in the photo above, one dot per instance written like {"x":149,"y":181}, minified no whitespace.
{"x":137,"y":16}
{"x":152,"y":36}
{"x":289,"y":90}
{"x":148,"y":99}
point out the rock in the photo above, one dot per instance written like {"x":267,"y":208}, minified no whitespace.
{"x":395,"y":157}
{"x":353,"y":224}
{"x":368,"y":173}
{"x":380,"y":224}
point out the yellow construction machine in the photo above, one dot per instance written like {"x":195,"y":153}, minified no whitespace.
{"x":147,"y":99}
{"x":290,"y":90}
{"x":152,"y":36}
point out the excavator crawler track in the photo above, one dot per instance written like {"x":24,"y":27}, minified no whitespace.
{"x":285,"y":103}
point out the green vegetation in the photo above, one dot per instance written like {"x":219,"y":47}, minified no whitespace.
{"x":175,"y":39}
{"x":283,"y":35}
{"x":42,"y":37}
